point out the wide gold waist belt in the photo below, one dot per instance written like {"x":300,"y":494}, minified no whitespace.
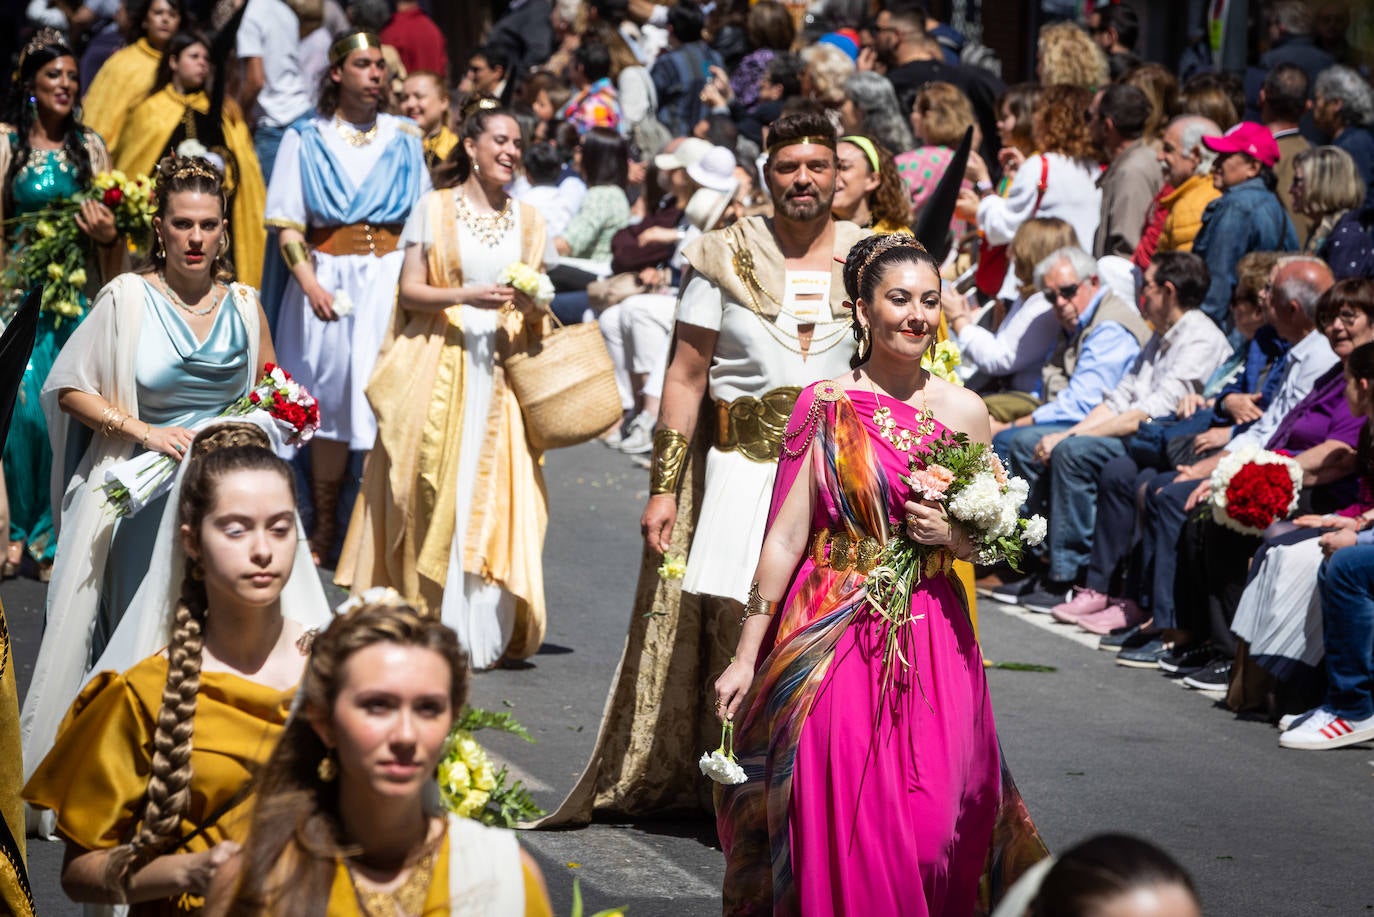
{"x":841,"y":551}
{"x":755,"y":427}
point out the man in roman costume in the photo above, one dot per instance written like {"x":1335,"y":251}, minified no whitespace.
{"x":344,"y":183}
{"x":762,"y":315}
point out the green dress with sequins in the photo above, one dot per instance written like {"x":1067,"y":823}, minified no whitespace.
{"x":47,"y":176}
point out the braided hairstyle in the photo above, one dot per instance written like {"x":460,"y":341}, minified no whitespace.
{"x":866,"y":264}
{"x":218,"y":450}
{"x":297,"y":834}
{"x":44,"y":48}
{"x":176,"y":174}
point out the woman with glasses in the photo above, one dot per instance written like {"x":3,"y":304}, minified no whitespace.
{"x":1327,"y":187}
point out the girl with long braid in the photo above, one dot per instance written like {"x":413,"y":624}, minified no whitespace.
{"x":151,"y":775}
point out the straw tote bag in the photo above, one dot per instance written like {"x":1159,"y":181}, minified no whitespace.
{"x":566,"y":386}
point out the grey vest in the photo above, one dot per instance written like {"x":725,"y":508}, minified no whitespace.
{"x":1112,"y":308}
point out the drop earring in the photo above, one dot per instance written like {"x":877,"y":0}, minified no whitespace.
{"x":865,"y":342}
{"x":328,"y":769}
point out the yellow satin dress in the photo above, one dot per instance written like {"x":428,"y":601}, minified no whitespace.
{"x":121,"y":83}
{"x":95,"y":778}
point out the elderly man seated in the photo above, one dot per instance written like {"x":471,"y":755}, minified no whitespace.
{"x":1063,"y":464}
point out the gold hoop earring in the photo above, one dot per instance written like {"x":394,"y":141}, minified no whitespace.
{"x":328,"y":769}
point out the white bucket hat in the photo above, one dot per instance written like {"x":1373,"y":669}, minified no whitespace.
{"x":707,"y":205}
{"x":715,"y":170}
{"x":685,"y":155}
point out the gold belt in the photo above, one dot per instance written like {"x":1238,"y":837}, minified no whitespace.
{"x":841,"y":550}
{"x":755,"y":427}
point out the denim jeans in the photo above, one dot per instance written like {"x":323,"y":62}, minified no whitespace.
{"x":1075,"y":469}
{"x":1114,"y":533}
{"x":1346,"y":582}
{"x":1016,"y":447}
{"x":266,"y":140}
{"x":1163,"y":524}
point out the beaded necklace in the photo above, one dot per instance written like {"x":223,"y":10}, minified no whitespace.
{"x":406,"y":900}
{"x":354,"y":136}
{"x":489,"y":228}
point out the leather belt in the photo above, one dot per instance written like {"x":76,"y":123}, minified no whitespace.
{"x":356,"y":239}
{"x":755,"y":427}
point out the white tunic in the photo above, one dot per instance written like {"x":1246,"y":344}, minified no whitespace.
{"x":334,"y":360}
{"x":753,"y":356}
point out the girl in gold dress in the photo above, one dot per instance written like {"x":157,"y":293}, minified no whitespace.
{"x":344,"y":825}
{"x":152,"y":771}
{"x":127,"y":77}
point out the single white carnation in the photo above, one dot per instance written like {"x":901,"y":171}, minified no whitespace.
{"x":343,"y":304}
{"x":721,"y":768}
{"x":1036,"y":529}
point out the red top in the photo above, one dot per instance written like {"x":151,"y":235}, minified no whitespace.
{"x":418,"y":40}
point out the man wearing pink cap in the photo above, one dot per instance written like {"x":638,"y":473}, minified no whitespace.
{"x":1248,"y":217}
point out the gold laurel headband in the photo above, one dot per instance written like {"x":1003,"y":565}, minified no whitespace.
{"x":354,"y":41}
{"x":887,"y":244}
{"x":198,"y":167}
{"x":810,"y":138}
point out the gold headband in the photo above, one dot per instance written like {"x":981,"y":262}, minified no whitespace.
{"x":479,"y":103}
{"x":46,"y":37}
{"x":354,"y":41}
{"x":810,"y":138}
{"x":886,"y":244}
{"x":189,"y":167}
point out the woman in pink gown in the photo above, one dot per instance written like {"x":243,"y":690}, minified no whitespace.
{"x":875,"y":781}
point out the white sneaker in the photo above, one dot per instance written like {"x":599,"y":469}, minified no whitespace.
{"x":1289,"y":720}
{"x":639,"y":437}
{"x":1323,"y":729}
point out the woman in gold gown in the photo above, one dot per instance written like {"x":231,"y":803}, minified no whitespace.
{"x":126,"y":78}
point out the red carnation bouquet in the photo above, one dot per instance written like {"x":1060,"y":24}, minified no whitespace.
{"x":277,"y":401}
{"x":1254,"y":488}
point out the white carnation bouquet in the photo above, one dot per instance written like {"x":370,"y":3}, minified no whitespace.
{"x":533,"y":283}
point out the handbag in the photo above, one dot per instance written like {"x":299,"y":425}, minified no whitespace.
{"x":566,"y":386}
{"x":993,"y":260}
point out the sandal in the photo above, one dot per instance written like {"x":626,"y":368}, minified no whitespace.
{"x":14,"y":556}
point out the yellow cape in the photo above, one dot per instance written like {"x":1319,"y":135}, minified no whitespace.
{"x":147,"y":130}
{"x":121,"y":83}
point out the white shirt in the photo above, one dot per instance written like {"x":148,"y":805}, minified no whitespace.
{"x":550,"y":202}
{"x":1176,"y":363}
{"x":270,"y":31}
{"x":1071,"y":194}
{"x":1019,"y":346}
{"x":1307,"y":360}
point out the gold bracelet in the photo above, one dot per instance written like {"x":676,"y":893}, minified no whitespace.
{"x":670,"y":455}
{"x":757,"y":605}
{"x":294,"y":253}
{"x":147,"y":433}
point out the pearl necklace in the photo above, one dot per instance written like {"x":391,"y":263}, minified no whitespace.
{"x":352,"y":135}
{"x":900,"y":437}
{"x":489,"y":228}
{"x":181,"y":304}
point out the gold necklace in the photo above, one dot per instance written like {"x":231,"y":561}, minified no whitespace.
{"x":900,"y":437}
{"x":406,"y":900}
{"x":489,"y":228}
{"x":352,"y":135}
{"x":181,"y":304}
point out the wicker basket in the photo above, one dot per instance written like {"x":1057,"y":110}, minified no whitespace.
{"x":566,"y":387}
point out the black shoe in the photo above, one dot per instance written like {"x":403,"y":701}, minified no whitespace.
{"x":1145,"y":656}
{"x":1185,"y":660}
{"x":1046,"y":596}
{"x":1213,"y":677}
{"x":1114,"y":641}
{"x":1011,"y":593}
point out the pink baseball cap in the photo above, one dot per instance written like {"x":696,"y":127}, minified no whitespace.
{"x":1249,"y":138}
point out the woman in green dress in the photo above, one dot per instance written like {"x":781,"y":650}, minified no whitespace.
{"x":46,"y":155}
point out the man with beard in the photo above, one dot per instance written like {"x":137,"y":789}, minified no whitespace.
{"x":761,"y":316}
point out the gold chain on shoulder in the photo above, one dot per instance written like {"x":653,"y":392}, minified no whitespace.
{"x":742,"y":260}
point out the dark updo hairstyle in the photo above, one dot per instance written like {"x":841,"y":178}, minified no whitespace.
{"x":44,"y":48}
{"x":605,"y":158}
{"x":297,"y":834}
{"x":138,"y":11}
{"x":478,"y":114}
{"x":180,"y":42}
{"x":219,"y":450}
{"x":1102,"y":868}
{"x":866,"y":264}
{"x":177,"y":174}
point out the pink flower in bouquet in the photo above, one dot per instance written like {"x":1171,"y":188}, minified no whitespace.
{"x":932,"y":481}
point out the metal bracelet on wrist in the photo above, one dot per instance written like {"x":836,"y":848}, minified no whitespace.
{"x":669,"y":458}
{"x":757,"y":605}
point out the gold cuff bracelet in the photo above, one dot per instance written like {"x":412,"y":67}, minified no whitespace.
{"x":670,"y":455}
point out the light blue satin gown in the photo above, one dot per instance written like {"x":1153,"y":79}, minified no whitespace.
{"x":180,"y":381}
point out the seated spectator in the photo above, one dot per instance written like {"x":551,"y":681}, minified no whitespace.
{"x":1009,"y":357}
{"x":602,"y":159}
{"x":1327,"y":189}
{"x":1188,"y":187}
{"x":488,"y":69}
{"x":1200,"y":426}
{"x":1304,"y":390}
{"x":1115,"y":27}
{"x":1132,"y":178}
{"x":595,"y":101}
{"x":1060,"y":181}
{"x":634,"y":87}
{"x":1283,"y":108}
{"x":1067,"y":56}
{"x":1062,"y":464}
{"x":940,"y":116}
{"x":1248,"y":217}
{"x":782,"y":80}
{"x":682,"y":72}
{"x":1343,"y":109}
{"x":771,"y":32}
{"x":544,"y":94}
{"x":543,"y":169}
{"x":1015,"y":112}
{"x":1213,"y":560}
{"x":827,"y":68}
{"x":525,"y":34}
{"x":1214,"y":96}
{"x":870,"y":108}
{"x":1161,"y":87}
{"x":867,"y":189}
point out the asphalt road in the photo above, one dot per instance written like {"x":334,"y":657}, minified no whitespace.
{"x":1093,"y":746}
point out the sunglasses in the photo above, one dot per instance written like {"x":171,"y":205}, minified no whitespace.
{"x":1066,"y":292}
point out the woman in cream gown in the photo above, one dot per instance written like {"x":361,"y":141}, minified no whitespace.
{"x":452,"y":511}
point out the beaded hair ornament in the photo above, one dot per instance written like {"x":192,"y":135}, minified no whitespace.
{"x":196,"y":167}
{"x":354,"y":41}
{"x":479,"y":103}
{"x":886,"y":244}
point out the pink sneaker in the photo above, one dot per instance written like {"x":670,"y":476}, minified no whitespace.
{"x":1120,"y":613}
{"x":1084,"y":602}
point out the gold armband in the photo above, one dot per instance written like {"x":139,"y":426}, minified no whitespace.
{"x":294,"y":253}
{"x":670,"y":455}
{"x":757,"y":605}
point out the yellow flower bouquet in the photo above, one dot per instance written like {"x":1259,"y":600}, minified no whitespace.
{"x":470,"y":784}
